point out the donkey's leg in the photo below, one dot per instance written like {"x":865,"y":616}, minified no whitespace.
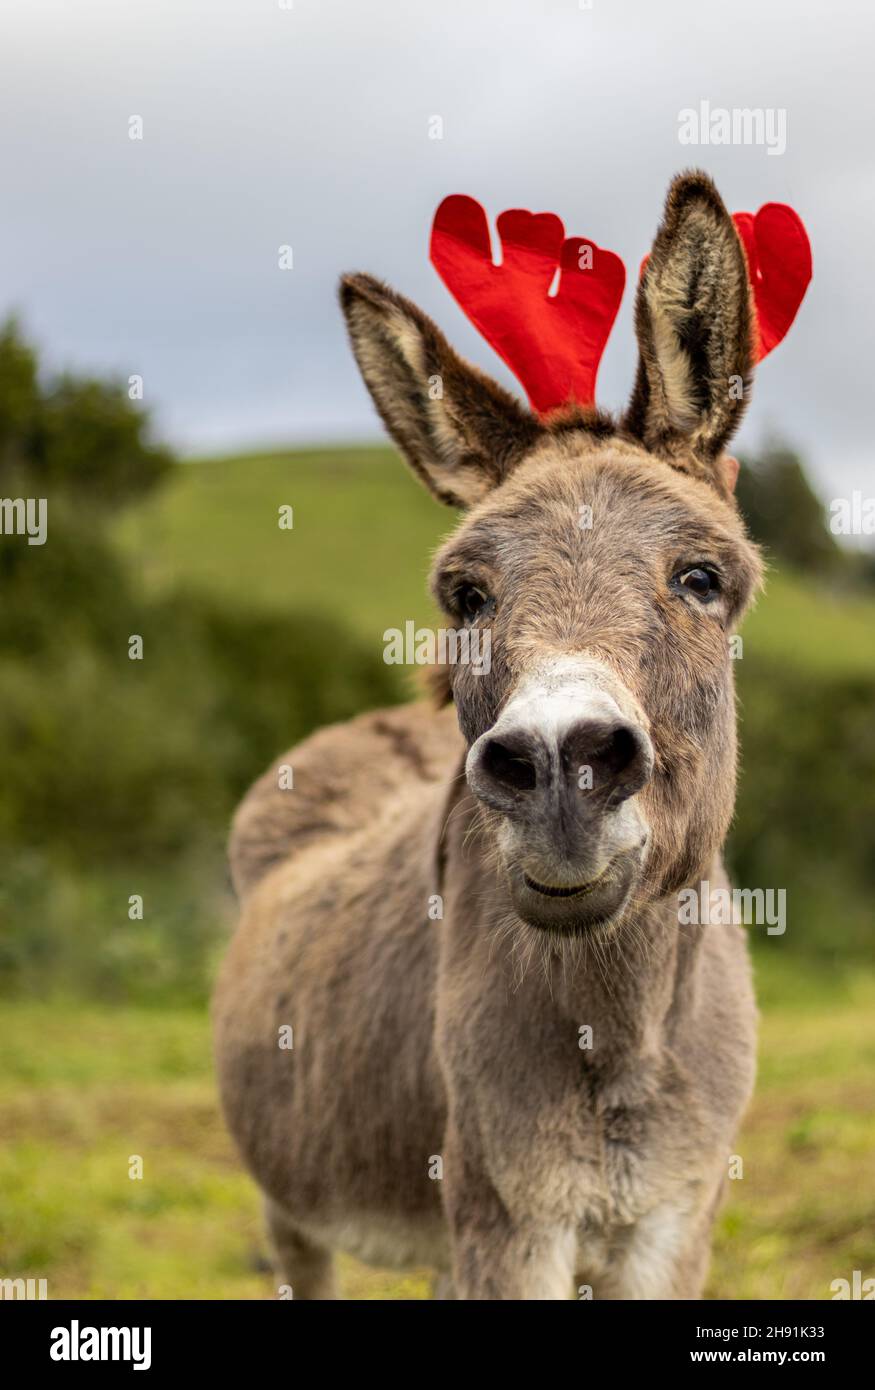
{"x":307,"y":1268}
{"x":495,"y":1261}
{"x":666,"y":1255}
{"x":493,"y":1256}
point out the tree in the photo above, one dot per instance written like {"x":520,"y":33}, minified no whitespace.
{"x":75,"y":436}
{"x":785,"y":514}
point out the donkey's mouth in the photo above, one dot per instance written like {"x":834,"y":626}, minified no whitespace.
{"x":578,"y":907}
{"x":578,"y":891}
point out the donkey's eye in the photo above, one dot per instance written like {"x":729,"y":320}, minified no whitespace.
{"x":701,"y":580}
{"x":470,"y":601}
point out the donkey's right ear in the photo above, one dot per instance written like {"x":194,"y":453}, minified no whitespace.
{"x":460,"y":431}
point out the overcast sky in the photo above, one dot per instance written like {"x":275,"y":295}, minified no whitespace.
{"x":309,"y":126}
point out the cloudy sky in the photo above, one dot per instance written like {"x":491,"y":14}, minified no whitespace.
{"x":266,"y":125}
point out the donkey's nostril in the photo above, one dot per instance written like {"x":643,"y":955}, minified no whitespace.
{"x":509,"y":766}
{"x":617,"y":753}
{"x":618,"y":756}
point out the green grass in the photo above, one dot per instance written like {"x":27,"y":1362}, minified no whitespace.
{"x":804,"y":1212}
{"x":86,"y":1087}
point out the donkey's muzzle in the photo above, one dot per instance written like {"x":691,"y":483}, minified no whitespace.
{"x":561,"y":766}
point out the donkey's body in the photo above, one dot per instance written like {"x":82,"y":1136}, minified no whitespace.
{"x":536,"y":1086}
{"x":611,"y":1158}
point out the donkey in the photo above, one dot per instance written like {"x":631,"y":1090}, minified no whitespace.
{"x":532,"y":1087}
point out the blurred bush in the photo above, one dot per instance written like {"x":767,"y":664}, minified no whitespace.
{"x":141,"y":757}
{"x":120,"y":771}
{"x":79,"y":435}
{"x":787,"y":518}
{"x":805,"y":817}
{"x":115,"y":768}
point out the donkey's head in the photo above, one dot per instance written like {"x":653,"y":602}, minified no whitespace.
{"x":608,"y":563}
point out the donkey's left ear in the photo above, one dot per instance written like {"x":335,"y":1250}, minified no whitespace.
{"x":460,"y":431}
{"x":693,"y":318}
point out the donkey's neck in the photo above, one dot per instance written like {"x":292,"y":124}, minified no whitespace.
{"x":644,"y":976}
{"x":640,"y":982}
{"x":637,"y":985}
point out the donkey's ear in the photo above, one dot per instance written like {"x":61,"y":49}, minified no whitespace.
{"x":693,"y":318}
{"x":460,"y":432}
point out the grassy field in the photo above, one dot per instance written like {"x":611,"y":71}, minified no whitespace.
{"x":86,"y":1087}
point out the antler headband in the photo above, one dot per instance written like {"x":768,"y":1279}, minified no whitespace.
{"x":553,"y":342}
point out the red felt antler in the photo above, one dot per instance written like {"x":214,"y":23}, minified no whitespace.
{"x":779,"y":264}
{"x":552,"y":343}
